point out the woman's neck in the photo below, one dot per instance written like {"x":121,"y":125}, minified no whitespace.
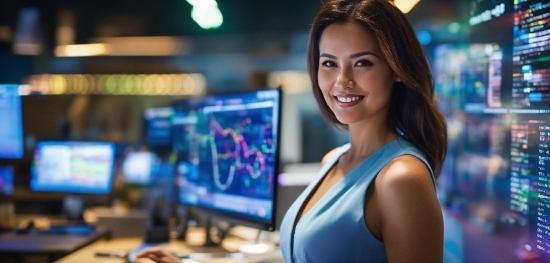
{"x":367,"y":138}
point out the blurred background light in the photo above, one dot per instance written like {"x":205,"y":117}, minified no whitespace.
{"x":146,"y":46}
{"x":454,"y":27}
{"x":206,"y":13}
{"x":405,"y":5}
{"x":289,"y":81}
{"x":82,"y":50}
{"x":24,"y":90}
{"x":424,"y":37}
{"x":127,"y":46}
{"x":116,"y":84}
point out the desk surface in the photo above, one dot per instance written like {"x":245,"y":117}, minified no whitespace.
{"x":231,"y":244}
{"x":46,"y":243}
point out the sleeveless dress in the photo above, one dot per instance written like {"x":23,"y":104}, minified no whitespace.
{"x":334,"y":229}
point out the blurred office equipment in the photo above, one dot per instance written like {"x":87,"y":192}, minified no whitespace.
{"x":53,"y":244}
{"x":28,"y":36}
{"x":6,"y":180}
{"x":137,"y":167}
{"x":132,"y":223}
{"x":73,"y":168}
{"x":158,"y":128}
{"x":227,"y":148}
{"x":7,"y":208}
{"x":11,"y":133}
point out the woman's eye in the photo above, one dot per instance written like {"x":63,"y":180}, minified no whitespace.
{"x":363,"y":63}
{"x":328,"y":63}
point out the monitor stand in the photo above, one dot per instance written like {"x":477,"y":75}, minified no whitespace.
{"x":73,"y":208}
{"x":211,"y":245}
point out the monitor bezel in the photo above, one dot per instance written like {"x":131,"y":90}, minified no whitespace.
{"x":112,"y":174}
{"x":235,"y":217}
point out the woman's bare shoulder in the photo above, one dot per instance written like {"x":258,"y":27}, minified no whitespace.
{"x":406,"y":169}
{"x":404,"y":186}
{"x":329,"y":155}
{"x":409,"y":209}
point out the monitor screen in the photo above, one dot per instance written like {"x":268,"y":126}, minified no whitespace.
{"x":6,"y":180}
{"x":228,"y":154}
{"x":158,"y":126}
{"x":11,"y":133}
{"x":137,"y":167}
{"x":73,"y":167}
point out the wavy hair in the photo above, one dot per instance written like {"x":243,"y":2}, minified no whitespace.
{"x":413,"y":108}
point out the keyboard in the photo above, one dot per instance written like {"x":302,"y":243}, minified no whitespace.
{"x":58,"y":230}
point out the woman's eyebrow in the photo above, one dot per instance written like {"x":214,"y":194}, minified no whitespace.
{"x":327,"y":55}
{"x":356,"y":55}
{"x":364,"y":53}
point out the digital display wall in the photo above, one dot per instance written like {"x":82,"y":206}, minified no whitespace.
{"x":494,"y":91}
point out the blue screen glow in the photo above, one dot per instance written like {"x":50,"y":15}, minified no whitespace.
{"x":158,"y":126}
{"x":73,"y":167}
{"x":11,"y":127}
{"x":6,"y":180}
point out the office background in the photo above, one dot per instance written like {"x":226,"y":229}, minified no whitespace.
{"x":90,"y":70}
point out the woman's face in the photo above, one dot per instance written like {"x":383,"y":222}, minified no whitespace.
{"x":354,"y":77}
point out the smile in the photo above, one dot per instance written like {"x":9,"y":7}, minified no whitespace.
{"x":349,"y":99}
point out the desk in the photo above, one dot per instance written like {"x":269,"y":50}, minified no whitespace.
{"x":52,"y":246}
{"x":195,"y":238}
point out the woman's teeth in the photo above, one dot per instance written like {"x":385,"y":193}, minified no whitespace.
{"x":348,"y":99}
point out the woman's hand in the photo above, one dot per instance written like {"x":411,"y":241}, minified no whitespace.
{"x":158,"y":255}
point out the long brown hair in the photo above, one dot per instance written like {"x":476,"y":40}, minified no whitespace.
{"x":413,"y":109}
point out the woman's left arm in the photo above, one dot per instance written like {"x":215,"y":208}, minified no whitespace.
{"x":411,"y":220}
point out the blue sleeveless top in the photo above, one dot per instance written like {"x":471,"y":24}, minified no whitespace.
{"x":334,"y":229}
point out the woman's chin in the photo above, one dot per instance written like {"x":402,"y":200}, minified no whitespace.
{"x":346,"y":121}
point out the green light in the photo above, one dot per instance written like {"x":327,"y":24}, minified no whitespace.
{"x":206,"y":13}
{"x":454,"y":27}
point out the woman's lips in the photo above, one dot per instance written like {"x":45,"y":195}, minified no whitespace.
{"x":348,"y":101}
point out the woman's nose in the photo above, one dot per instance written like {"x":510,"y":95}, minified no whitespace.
{"x":344,"y":80}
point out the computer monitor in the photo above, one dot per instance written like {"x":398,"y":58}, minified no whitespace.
{"x":228,"y":154}
{"x":6,"y":180}
{"x":73,"y":167}
{"x":158,"y":127}
{"x":137,"y":167}
{"x":11,"y":133}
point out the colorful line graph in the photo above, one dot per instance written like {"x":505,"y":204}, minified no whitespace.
{"x":234,"y":151}
{"x":241,"y":149}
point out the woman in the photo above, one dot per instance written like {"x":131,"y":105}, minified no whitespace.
{"x":374,"y":199}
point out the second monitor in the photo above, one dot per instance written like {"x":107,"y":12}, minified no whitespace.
{"x":73,"y":167}
{"x":228,"y":154}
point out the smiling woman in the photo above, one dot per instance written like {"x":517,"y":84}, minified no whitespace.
{"x":353,"y":72}
{"x":374,"y":199}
